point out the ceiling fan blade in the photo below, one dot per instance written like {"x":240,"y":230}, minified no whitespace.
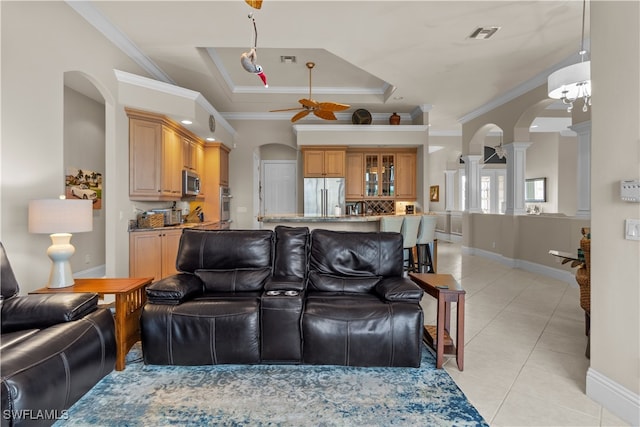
{"x":309,"y":103}
{"x":300,"y":115}
{"x":324,"y":114}
{"x":333,"y":106}
{"x":286,"y":109}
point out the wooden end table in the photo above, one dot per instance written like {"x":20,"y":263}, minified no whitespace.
{"x":445,"y":289}
{"x":130,"y":298}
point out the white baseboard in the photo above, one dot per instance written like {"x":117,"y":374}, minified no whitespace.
{"x":447,"y":237}
{"x":99,"y":271}
{"x":555,"y":273}
{"x":617,"y":399}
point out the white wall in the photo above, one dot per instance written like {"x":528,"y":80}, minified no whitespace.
{"x":614,"y":376}
{"x":40,"y":42}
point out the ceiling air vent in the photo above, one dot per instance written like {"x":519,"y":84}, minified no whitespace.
{"x":288,"y":59}
{"x":483,"y":33}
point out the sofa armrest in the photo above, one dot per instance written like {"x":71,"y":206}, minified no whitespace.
{"x":398,"y":289}
{"x":174,"y":290}
{"x":284,"y":283}
{"x":39,"y":311}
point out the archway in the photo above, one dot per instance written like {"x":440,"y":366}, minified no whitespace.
{"x":86,"y":122}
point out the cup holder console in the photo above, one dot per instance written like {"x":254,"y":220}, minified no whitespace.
{"x":285,"y":293}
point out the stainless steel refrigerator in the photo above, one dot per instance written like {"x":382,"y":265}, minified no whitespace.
{"x":322,"y":195}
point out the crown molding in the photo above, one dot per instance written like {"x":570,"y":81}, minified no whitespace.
{"x":100,"y":22}
{"x":536,"y":81}
{"x":359,"y":128}
{"x":171,"y":89}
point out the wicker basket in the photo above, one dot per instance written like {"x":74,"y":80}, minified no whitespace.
{"x":583,"y":275}
{"x":150,"y":220}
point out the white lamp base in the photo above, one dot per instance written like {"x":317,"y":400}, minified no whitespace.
{"x":60,"y":251}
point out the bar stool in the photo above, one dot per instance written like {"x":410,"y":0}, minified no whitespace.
{"x":410,"y":227}
{"x":391,"y":223}
{"x":426,"y":238}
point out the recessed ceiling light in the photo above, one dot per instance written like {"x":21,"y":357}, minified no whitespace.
{"x":211,"y":138}
{"x":186,"y":122}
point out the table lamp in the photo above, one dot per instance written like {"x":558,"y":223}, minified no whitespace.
{"x":59,"y":218}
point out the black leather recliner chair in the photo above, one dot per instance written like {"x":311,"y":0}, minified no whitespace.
{"x":54,"y":348}
{"x":285,"y":296}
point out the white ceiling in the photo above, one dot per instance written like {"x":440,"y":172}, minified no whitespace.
{"x":385,"y":56}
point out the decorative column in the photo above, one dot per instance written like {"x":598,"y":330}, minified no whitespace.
{"x":583,"y":130}
{"x":516,"y":168}
{"x":472,"y":191}
{"x":450,"y":190}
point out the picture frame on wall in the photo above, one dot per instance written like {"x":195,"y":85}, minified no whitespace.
{"x":84,"y":184}
{"x":434,"y":193}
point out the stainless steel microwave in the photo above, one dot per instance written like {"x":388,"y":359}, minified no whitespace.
{"x":190,"y":183}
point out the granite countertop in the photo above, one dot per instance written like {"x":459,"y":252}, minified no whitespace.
{"x":173,"y":227}
{"x":331,"y":218}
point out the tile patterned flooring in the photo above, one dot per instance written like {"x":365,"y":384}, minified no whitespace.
{"x":525,"y":344}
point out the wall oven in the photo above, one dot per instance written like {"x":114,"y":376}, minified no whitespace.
{"x":225,"y":207}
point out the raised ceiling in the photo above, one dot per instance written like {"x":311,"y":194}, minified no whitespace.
{"x":385,"y":56}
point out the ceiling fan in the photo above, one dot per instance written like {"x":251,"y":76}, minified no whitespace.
{"x":500,"y":151}
{"x":324,"y":110}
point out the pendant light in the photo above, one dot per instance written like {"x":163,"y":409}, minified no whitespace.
{"x":572,"y":83}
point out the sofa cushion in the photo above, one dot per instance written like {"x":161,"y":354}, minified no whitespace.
{"x":291,"y":246}
{"x":344,"y":253}
{"x":224,"y":249}
{"x":234,"y":280}
{"x":341,"y":284}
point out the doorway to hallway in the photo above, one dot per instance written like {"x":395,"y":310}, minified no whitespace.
{"x":279,"y":187}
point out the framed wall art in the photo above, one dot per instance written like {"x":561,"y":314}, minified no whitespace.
{"x":434,"y":193}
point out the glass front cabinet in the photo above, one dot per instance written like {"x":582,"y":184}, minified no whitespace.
{"x":379,"y":174}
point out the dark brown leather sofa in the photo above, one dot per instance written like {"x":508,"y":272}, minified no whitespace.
{"x":53,"y":349}
{"x":285,"y":296}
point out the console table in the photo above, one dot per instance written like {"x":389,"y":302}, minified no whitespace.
{"x":445,"y":289}
{"x":130,"y":298}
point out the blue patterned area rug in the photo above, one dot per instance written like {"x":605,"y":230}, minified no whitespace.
{"x":274,"y":395}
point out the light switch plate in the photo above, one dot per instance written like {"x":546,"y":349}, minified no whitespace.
{"x":632,"y":229}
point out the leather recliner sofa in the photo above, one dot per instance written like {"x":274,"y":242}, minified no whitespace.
{"x":53,"y":349}
{"x":285,"y":296}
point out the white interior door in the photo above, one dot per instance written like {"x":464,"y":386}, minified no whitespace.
{"x":279,"y":187}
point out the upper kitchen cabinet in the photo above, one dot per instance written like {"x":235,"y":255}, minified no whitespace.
{"x":324,"y":162}
{"x":374,"y":173}
{"x":159,"y":149}
{"x":406,"y":175}
{"x":354,"y":184}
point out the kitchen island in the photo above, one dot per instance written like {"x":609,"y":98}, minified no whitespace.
{"x":336,"y":223}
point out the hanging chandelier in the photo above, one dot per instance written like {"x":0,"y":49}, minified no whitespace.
{"x":572,"y":83}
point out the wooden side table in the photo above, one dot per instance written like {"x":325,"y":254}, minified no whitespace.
{"x":130,"y":298}
{"x":445,"y":289}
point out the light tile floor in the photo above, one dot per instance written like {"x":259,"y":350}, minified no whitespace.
{"x":524,"y":356}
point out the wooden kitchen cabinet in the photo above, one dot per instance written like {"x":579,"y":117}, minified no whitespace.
{"x":153,"y":253}
{"x":159,"y":150}
{"x":406,"y":175}
{"x":155,"y":158}
{"x":354,"y":182}
{"x":375,"y":173}
{"x":189,"y":152}
{"x":215,"y":174}
{"x":324,"y":163}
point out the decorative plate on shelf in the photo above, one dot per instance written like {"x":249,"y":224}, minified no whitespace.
{"x":361,"y":117}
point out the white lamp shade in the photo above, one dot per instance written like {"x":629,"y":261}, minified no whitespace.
{"x":60,"y":216}
{"x":574,"y":79}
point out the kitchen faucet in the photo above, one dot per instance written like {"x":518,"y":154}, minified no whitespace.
{"x":361,"y":207}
